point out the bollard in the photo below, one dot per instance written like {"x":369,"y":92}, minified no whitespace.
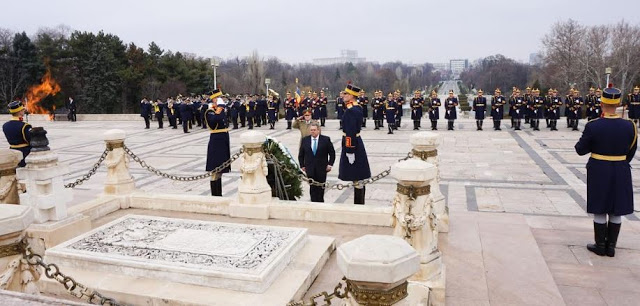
{"x":9,"y":160}
{"x":376,"y":268}
{"x":119,"y":181}
{"x":15,"y":273}
{"x":425,"y":145}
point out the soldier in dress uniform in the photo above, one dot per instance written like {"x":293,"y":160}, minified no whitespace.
{"x":497,"y":108}
{"x":378,"y":110}
{"x":397,"y":95}
{"x":416,"y":109}
{"x":272,"y":105}
{"x":633,"y":104}
{"x":219,"y":149}
{"x":390,"y":108}
{"x":536,"y":109}
{"x":17,"y":132}
{"x":323,"y":107}
{"x":575,"y":108}
{"x":434,"y":110}
{"x":158,"y":110}
{"x":363,"y":100}
{"x":289,"y":109}
{"x":340,"y":108}
{"x":354,"y":164}
{"x":554,"y":104}
{"x":145,"y":111}
{"x":516,"y":104}
{"x":450,"y":104}
{"x":479,"y":107}
{"x":612,"y":142}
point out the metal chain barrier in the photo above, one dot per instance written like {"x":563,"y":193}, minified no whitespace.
{"x":91,"y":172}
{"x":327,"y":297}
{"x":218,"y":169}
{"x":73,"y":287}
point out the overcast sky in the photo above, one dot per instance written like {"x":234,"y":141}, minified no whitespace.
{"x":299,"y":31}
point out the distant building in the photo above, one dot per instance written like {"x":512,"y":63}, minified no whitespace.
{"x":535,"y":59}
{"x":457,"y":66}
{"x":346,"y":56}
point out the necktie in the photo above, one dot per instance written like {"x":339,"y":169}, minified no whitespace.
{"x":314,"y":147}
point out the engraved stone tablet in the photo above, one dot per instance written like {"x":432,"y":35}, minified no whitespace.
{"x":223,"y":255}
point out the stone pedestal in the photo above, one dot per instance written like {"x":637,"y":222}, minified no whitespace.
{"x":425,"y":147}
{"x":377,"y":268}
{"x":15,"y":272}
{"x":119,"y":181}
{"x":254,"y":193}
{"x":43,"y":178}
{"x":9,"y":160}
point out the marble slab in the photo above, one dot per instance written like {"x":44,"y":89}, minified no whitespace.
{"x":213,"y":254}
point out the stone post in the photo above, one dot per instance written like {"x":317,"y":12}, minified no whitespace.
{"x":43,"y":178}
{"x":15,"y":273}
{"x":425,"y":147}
{"x":9,"y":160}
{"x":119,"y":181}
{"x":254,"y":193}
{"x":376,"y":268}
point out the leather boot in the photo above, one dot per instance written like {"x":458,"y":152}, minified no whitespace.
{"x":600,"y":233}
{"x":358,"y":195}
{"x":613,"y":230}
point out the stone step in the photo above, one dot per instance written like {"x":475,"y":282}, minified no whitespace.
{"x":494,"y":259}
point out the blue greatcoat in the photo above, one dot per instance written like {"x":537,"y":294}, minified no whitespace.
{"x":18,"y":135}
{"x":352,"y":143}
{"x":612,"y":142}
{"x":219,"y":149}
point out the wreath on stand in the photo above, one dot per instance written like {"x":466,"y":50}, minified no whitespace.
{"x":284,"y":184}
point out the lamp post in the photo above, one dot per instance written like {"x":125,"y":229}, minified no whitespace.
{"x":267,"y":82}
{"x":215,"y":62}
{"x":607,"y":71}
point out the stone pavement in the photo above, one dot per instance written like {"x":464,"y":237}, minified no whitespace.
{"x":532,"y":181}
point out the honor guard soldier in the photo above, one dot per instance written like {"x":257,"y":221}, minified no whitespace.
{"x":171,"y":113}
{"x":390,"y":109}
{"x":397,"y":95}
{"x":527,"y":100}
{"x":612,"y":142}
{"x":633,"y":104}
{"x":479,"y":107}
{"x":497,"y":108}
{"x":219,"y":149}
{"x":158,"y":109}
{"x":516,"y":105}
{"x":323,"y":108}
{"x":378,"y":110}
{"x":289,"y":109}
{"x":536,"y":109}
{"x":363,"y":100}
{"x":416,"y":109}
{"x":575,"y":109}
{"x":17,"y":132}
{"x":450,"y":110}
{"x":434,"y":110}
{"x":553,"y":106}
{"x":145,"y":111}
{"x":340,"y":108}
{"x":354,"y":164}
{"x":271,"y":111}
{"x":315,"y":106}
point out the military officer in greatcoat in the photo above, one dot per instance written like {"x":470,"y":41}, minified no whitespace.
{"x":497,"y":108}
{"x":479,"y":107}
{"x":416,"y":109}
{"x":18,"y":132}
{"x":219,"y":149}
{"x":633,"y":104}
{"x":612,"y":142}
{"x":433,"y":107}
{"x":450,"y":104}
{"x":354,"y":164}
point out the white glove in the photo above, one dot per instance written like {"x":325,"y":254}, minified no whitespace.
{"x":351,"y":157}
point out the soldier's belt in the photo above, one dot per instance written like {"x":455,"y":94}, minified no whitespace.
{"x":18,"y":146}
{"x":219,"y":131}
{"x":345,"y":134}
{"x":608,"y":157}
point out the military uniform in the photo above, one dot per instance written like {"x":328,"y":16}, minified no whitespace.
{"x":416,"y":109}
{"x":633,"y":104}
{"x":390,"y":109}
{"x":17,"y":132}
{"x":434,"y":110}
{"x":219,"y":148}
{"x":450,"y":110}
{"x":479,"y":107}
{"x":612,"y":142}
{"x":354,"y":164}
{"x":497,"y":109}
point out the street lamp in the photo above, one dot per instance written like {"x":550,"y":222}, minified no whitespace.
{"x":267,"y":82}
{"x":607,"y":71}
{"x":215,"y":62}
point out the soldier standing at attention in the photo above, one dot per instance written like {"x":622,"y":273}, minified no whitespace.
{"x":633,"y":104}
{"x":434,"y":110}
{"x":17,"y":132}
{"x":354,"y":164}
{"x":416,"y":109}
{"x":219,"y":149}
{"x":450,"y":105}
{"x":497,"y":108}
{"x":612,"y":142}
{"x":479,"y":107}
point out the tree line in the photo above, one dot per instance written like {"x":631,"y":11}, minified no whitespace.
{"x":106,"y":75}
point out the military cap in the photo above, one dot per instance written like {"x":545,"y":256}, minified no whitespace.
{"x":353,"y":90}
{"x":15,"y":107}
{"x":215,"y":93}
{"x":611,"y":96}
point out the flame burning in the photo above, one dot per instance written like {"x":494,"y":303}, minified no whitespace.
{"x":35,"y":94}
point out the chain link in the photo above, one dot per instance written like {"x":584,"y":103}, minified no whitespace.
{"x":327,"y":297}
{"x":75,"y":288}
{"x":150,"y":168}
{"x":91,"y":172}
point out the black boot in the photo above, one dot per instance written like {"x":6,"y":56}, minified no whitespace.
{"x":600,"y":233}
{"x":613,"y":230}
{"x":358,"y":195}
